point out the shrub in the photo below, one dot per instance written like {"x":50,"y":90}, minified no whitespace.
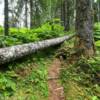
{"x":97,"y":26}
{"x":7,"y":85}
{"x":1,"y":30}
{"x":97,"y":31}
{"x":48,"y":30}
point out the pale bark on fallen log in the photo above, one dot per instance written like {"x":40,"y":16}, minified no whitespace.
{"x":12,"y":53}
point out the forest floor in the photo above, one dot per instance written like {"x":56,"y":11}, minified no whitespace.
{"x":48,"y":76}
{"x":56,"y":91}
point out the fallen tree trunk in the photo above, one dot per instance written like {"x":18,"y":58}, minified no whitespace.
{"x":12,"y":53}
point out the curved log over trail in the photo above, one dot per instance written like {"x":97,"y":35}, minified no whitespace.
{"x":12,"y":53}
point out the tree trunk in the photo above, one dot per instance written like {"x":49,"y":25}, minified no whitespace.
{"x":26,"y":24}
{"x":62,"y":19}
{"x":31,"y":14}
{"x":65,"y":16}
{"x":6,"y":18}
{"x":67,"y":6}
{"x":98,"y":11}
{"x":84,"y":26}
{"x":9,"y":54}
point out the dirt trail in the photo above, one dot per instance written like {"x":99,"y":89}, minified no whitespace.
{"x":56,"y":91}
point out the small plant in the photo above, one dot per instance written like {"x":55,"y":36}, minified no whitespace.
{"x":7,"y":85}
{"x":38,"y":79}
{"x":97,"y":26}
{"x":83,"y":74}
{"x":97,"y":31}
{"x":50,"y":29}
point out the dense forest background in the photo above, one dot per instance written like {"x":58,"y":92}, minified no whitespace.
{"x":33,"y":13}
{"x":50,"y":50}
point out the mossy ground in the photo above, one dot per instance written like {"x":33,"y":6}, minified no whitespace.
{"x":81,"y":79}
{"x":27,"y":79}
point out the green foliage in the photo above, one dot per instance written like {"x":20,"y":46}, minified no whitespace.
{"x":7,"y":85}
{"x":86,"y":74}
{"x":9,"y":41}
{"x":30,"y":78}
{"x":51,"y":29}
{"x":97,"y":26}
{"x":97,"y":43}
{"x":97,"y":31}
{"x":1,"y":30}
{"x":97,"y":35}
{"x":24,"y":35}
{"x":48,"y":30}
{"x":39,"y":78}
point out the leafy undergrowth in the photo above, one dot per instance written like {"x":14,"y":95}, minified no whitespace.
{"x":81,"y":79}
{"x":26,"y":79}
{"x":20,"y":36}
{"x":97,"y":34}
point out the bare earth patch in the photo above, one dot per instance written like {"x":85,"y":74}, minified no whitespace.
{"x":56,"y":91}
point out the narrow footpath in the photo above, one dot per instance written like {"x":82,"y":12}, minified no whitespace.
{"x":56,"y":91}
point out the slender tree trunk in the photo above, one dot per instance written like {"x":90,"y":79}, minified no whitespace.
{"x":6,"y":18}
{"x":31,"y":14}
{"x":98,"y":11}
{"x":84,"y":26}
{"x":67,"y":6}
{"x":65,"y":16}
{"x":93,"y":9}
{"x":26,"y":24}
{"x":92,"y":3}
{"x":64,"y":13}
{"x":62,"y":18}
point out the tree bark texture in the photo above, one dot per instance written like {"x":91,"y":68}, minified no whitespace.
{"x":26,"y":16}
{"x":65,"y":14}
{"x":6,"y":18}
{"x":84,"y":27}
{"x":31,"y":14}
{"x":9,"y":54}
{"x":98,"y":11}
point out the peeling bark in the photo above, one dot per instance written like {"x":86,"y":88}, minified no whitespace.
{"x":9,"y":54}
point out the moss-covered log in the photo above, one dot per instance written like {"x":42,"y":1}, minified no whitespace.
{"x":12,"y":53}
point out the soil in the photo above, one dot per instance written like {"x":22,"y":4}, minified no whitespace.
{"x":56,"y":91}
